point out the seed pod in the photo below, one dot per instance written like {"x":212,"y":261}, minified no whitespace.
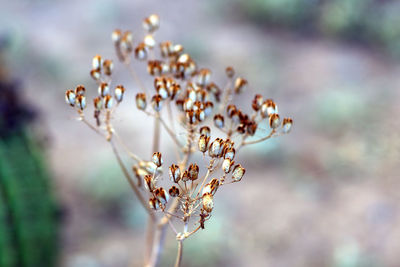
{"x":149,"y":182}
{"x":287,"y":125}
{"x":174,"y":90}
{"x":126,"y":43}
{"x":98,"y":103}
{"x":200,"y":115}
{"x":116,"y":36}
{"x":257,"y":102}
{"x":156,"y":102}
{"x":157,"y":159}
{"x":205,"y":130}
{"x":141,"y":101}
{"x":140,"y":174}
{"x":219,"y":121}
{"x":211,"y":187}
{"x":229,"y":153}
{"x":240,"y":85}
{"x":95,"y":74}
{"x":208,"y":203}
{"x":153,"y":203}
{"x":268,"y":108}
{"x":149,"y":41}
{"x":190,"y":116}
{"x":231,"y":110}
{"x":154,"y":67}
{"x":151,"y":23}
{"x":80,"y":90}
{"x":203,"y":142}
{"x":203,"y":78}
{"x":177,"y":49}
{"x":185,"y":176}
{"x":238,"y":172}
{"x":70,"y":97}
{"x":97,"y":62}
{"x":188,"y":104}
{"x":162,"y":91}
{"x":141,"y":52}
{"x":81,"y":102}
{"x":119,"y":93}
{"x":173,"y":191}
{"x":251,"y":128}
{"x":193,"y":171}
{"x":166,"y":49}
{"x":274,"y":121}
{"x":230,"y":72}
{"x":241,"y":128}
{"x":174,"y":173}
{"x":108,"y":67}
{"x":103,"y":89}
{"x":208,"y":107}
{"x":227,"y":165}
{"x":215,"y":149}
{"x":108,"y":102}
{"x":180,"y":103}
{"x":161,"y":195}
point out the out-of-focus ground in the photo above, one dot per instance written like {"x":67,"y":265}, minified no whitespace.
{"x":325,"y":195}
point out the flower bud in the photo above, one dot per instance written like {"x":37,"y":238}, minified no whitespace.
{"x":95,"y":74}
{"x":103,"y":89}
{"x":108,"y":102}
{"x":96,"y":62}
{"x":151,"y":23}
{"x":287,"y":125}
{"x":219,"y":121}
{"x":116,"y":36}
{"x":108,"y":67}
{"x":185,"y":176}
{"x":268,"y":108}
{"x":156,"y":102}
{"x":205,"y":130}
{"x":119,"y":93}
{"x":161,"y":195}
{"x":141,"y":101}
{"x":70,"y":97}
{"x":238,"y":172}
{"x":230,"y":72}
{"x":240,"y":84}
{"x":227,"y":165}
{"x":157,"y":159}
{"x":149,"y":182}
{"x":98,"y":103}
{"x":174,"y":173}
{"x":203,"y":143}
{"x":81,"y":101}
{"x":193,"y":171}
{"x":80,"y":90}
{"x":154,"y":203}
{"x":274,"y":121}
{"x":208,"y":203}
{"x":215,"y":149}
{"x":173,"y":191}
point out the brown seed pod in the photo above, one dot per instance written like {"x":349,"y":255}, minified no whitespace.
{"x":81,"y":102}
{"x":126,"y":44}
{"x":154,"y":203}
{"x":230,"y":72}
{"x":116,"y":36}
{"x":108,"y":67}
{"x":157,"y":159}
{"x":208,"y":107}
{"x":193,"y":171}
{"x":208,"y":203}
{"x":274,"y":121}
{"x":141,"y":101}
{"x":215,"y":149}
{"x":185,"y":176}
{"x":229,"y":153}
{"x":97,"y":62}
{"x":98,"y":103}
{"x":180,"y":103}
{"x":227,"y":165}
{"x":149,"y":182}
{"x":241,"y":128}
{"x":203,"y":143}
{"x":268,"y":108}
{"x":251,"y":128}
{"x":166,"y":49}
{"x":257,"y":102}
{"x":240,"y":85}
{"x":287,"y":125}
{"x":174,"y":173}
{"x":211,"y":187}
{"x":103,"y":89}
{"x":174,"y":90}
{"x":156,"y":102}
{"x":205,"y":130}
{"x":141,"y":52}
{"x":151,"y":23}
{"x":108,"y":102}
{"x":173,"y":191}
{"x":80,"y":90}
{"x":149,"y":41}
{"x":203,"y":77}
{"x":238,"y":172}
{"x":119,"y":93}
{"x":95,"y":74}
{"x":219,"y":121}
{"x":161,"y":195}
{"x":190,"y":116}
{"x":70,"y":97}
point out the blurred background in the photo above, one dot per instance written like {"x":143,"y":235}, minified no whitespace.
{"x":325,"y":195}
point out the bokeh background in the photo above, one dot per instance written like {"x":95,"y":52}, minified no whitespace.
{"x":325,"y":195}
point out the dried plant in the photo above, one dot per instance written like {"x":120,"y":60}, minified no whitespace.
{"x":194,"y":104}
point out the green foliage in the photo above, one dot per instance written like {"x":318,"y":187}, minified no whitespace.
{"x":28,"y":225}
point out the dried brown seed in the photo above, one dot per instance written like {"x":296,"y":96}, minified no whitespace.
{"x":251,"y":128}
{"x":208,"y":203}
{"x":257,"y":102}
{"x":149,"y":182}
{"x":98,"y":103}
{"x":156,"y":102}
{"x":231,"y":110}
{"x":240,"y":85}
{"x":185,"y":176}
{"x":97,"y":62}
{"x":157,"y":159}
{"x":116,"y":36}
{"x":205,"y":130}
{"x":227,"y":165}
{"x":119,"y":92}
{"x":174,"y":173}
{"x":229,"y":153}
{"x":154,"y":203}
{"x":230,"y":72}
{"x":108,"y":102}
{"x":174,"y":191}
{"x":268,"y":108}
{"x":219,"y":121}
{"x":161,"y":195}
{"x":81,"y":102}
{"x":80,"y":90}
{"x":141,"y":101}
{"x":108,"y":67}
{"x":141,"y":52}
{"x":151,"y":23}
{"x":95,"y":74}
{"x":287,"y":125}
{"x":70,"y":97}
{"x":215,"y":149}
{"x":211,"y":187}
{"x":203,"y":142}
{"x":274,"y":121}
{"x":193,"y":171}
{"x":103,"y":89}
{"x":238,"y":172}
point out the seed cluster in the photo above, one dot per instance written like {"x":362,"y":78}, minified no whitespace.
{"x":192,"y":100}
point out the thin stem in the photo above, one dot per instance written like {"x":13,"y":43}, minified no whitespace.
{"x":209,"y":171}
{"x":259,"y":140}
{"x":156,"y":133}
{"x":179,"y":254}
{"x":125,"y":147}
{"x":135,"y":76}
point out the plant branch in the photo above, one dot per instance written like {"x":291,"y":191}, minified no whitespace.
{"x":179,"y":254}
